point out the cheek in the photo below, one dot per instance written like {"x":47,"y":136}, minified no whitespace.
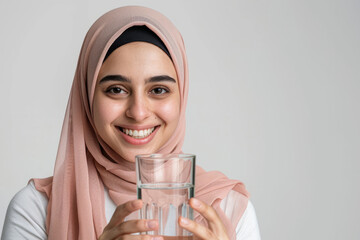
{"x":105,"y":112}
{"x":169,"y":112}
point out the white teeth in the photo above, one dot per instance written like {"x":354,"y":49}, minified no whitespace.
{"x":138,"y":133}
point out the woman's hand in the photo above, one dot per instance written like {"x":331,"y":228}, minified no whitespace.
{"x":216,"y":228}
{"x":118,"y":229}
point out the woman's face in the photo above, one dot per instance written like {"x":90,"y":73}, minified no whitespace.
{"x":136,"y":105}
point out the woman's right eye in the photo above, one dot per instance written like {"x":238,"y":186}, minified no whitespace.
{"x":115,"y":90}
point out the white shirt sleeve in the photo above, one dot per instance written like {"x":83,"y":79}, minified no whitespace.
{"x":26,"y":215}
{"x":247,"y":228}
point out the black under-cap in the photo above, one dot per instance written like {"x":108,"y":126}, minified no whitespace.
{"x":137,"y":34}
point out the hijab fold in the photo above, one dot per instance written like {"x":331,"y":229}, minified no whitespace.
{"x":86,"y":165}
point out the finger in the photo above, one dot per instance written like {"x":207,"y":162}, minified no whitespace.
{"x":122,"y":211}
{"x":198,"y":230}
{"x":209,"y":213}
{"x":132,"y":226}
{"x":139,"y":237}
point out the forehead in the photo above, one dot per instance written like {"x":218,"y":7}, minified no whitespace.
{"x":138,"y":58}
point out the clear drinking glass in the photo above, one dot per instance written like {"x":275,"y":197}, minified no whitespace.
{"x":165,"y":183}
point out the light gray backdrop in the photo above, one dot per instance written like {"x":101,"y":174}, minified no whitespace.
{"x":274,"y":100}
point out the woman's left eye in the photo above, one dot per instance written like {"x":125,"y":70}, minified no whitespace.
{"x":159,"y":91}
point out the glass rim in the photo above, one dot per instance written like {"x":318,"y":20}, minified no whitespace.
{"x":162,"y":156}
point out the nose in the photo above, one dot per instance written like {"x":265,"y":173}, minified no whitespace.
{"x":138,"y":108}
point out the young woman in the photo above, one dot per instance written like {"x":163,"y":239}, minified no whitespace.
{"x":128,"y":97}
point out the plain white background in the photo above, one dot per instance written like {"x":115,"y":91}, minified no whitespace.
{"x":274,"y":100}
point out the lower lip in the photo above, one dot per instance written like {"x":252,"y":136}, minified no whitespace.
{"x":139,"y":141}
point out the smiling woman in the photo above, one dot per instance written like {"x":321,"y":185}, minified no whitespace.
{"x":128,"y":97}
{"x":136,"y":104}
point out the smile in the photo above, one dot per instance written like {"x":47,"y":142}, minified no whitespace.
{"x":138,"y":134}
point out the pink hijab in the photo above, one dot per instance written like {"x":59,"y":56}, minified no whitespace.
{"x":85,"y":165}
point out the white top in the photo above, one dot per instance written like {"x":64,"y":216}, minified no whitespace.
{"x":26,"y":215}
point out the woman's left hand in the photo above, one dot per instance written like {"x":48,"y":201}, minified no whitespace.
{"x":216,"y":228}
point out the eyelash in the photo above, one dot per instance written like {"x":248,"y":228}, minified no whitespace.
{"x":163,"y":91}
{"x":118,"y":90}
{"x":111,"y":90}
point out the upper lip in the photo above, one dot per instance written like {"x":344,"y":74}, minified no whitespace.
{"x":137,"y":127}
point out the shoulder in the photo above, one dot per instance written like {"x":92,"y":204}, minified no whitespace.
{"x":26,"y":215}
{"x":247,"y":227}
{"x":29,"y":195}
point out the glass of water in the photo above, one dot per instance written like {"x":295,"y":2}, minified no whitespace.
{"x":165,"y":184}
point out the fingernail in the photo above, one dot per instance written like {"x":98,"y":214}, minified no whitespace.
{"x":184,"y":221}
{"x":151,"y":223}
{"x":196,"y":203}
{"x":136,"y":204}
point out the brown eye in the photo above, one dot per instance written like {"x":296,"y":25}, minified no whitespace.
{"x":159,"y":91}
{"x":115,"y":90}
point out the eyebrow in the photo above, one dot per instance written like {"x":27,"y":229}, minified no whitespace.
{"x":161,"y":78}
{"x":120,"y":78}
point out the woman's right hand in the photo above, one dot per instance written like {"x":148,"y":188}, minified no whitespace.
{"x":118,"y":229}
